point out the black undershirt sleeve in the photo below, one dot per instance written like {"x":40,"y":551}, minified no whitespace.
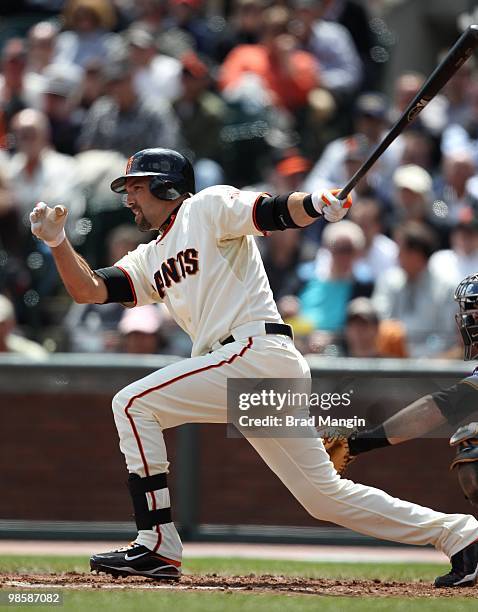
{"x":457,"y":402}
{"x":117,"y":285}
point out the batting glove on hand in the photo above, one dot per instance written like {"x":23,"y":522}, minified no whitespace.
{"x":48,"y":224}
{"x":330,"y":206}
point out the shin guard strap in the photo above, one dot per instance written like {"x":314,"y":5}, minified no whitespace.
{"x":138,"y":487}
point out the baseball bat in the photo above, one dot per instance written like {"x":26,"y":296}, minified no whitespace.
{"x":454,"y":59}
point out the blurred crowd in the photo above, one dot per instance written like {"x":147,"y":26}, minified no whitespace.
{"x":269,"y":95}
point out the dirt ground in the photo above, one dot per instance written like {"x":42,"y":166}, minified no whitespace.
{"x":242,"y":584}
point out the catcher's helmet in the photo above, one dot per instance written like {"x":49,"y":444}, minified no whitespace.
{"x":171,"y":173}
{"x":466,"y":294}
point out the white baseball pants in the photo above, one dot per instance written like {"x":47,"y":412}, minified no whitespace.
{"x":194,"y":391}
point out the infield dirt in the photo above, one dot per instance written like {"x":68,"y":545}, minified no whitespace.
{"x":240,"y":584}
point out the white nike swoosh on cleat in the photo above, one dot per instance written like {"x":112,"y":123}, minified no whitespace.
{"x":472,"y":576}
{"x":126,"y":558}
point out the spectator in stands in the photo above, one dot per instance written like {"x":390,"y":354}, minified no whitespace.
{"x":380,"y":252}
{"x":120,"y":122}
{"x":371,"y":120}
{"x":243,"y":27}
{"x":451,"y":187}
{"x":289,"y":310}
{"x":41,"y":42}
{"x":88,"y":24}
{"x":37,"y":172}
{"x":420,"y":149}
{"x":61,"y":90}
{"x":41,"y":45}
{"x":289,"y":172}
{"x":155,"y":75}
{"x":92,"y":85}
{"x":199,"y":111}
{"x":289,"y":74}
{"x":357,"y":151}
{"x":324,"y":299}
{"x":140,"y":330}
{"x":414,"y":193}
{"x":11,"y":342}
{"x":365,"y":335}
{"x":459,"y":137}
{"x":186,"y":18}
{"x":14,"y":95}
{"x":462,"y":258}
{"x":433,"y":117}
{"x":407,"y":85}
{"x":284,"y":252}
{"x":105,"y":210}
{"x":253,"y":126}
{"x":354,"y":16}
{"x":415,"y":295}
{"x":331,"y":44}
{"x":413,"y":200}
{"x":9,"y":217}
{"x":15,"y":276}
{"x":93,"y":328}
{"x":154,"y":17}
{"x":151,"y":15}
{"x":457,"y":92}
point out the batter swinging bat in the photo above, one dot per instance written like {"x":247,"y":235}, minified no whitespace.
{"x":454,"y":59}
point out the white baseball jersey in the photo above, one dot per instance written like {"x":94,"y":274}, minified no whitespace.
{"x":206,"y":267}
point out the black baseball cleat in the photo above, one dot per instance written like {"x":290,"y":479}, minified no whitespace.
{"x":135,"y":560}
{"x":464,"y":568}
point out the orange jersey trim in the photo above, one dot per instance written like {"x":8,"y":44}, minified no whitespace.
{"x":169,"y":226}
{"x":254,"y":218}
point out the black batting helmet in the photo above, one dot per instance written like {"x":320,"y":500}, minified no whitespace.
{"x":466,"y":294}
{"x":171,"y":173}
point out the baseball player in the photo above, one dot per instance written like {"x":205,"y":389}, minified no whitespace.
{"x":452,"y":405}
{"x":206,"y":268}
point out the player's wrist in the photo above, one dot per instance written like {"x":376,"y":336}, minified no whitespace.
{"x":366,"y":440}
{"x":317,"y":203}
{"x":60,"y":237}
{"x":313,"y":205}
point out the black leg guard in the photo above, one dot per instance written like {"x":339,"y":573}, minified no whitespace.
{"x":138,"y":487}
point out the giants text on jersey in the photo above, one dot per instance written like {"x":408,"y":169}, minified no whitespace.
{"x":212,"y":232}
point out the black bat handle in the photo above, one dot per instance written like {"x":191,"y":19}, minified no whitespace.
{"x":458,"y":54}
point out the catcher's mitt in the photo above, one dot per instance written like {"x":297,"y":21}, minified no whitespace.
{"x":336,"y":442}
{"x":465,"y":439}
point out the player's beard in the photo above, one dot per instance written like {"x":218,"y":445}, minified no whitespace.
{"x":143,"y":224}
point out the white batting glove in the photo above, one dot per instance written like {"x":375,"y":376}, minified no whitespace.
{"x":330,"y":206}
{"x":48,"y":224}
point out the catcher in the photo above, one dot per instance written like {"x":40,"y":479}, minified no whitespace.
{"x":450,"y":406}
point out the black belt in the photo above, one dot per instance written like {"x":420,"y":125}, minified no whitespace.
{"x":271,"y":328}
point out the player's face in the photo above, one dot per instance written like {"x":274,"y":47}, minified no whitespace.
{"x":148,"y":212}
